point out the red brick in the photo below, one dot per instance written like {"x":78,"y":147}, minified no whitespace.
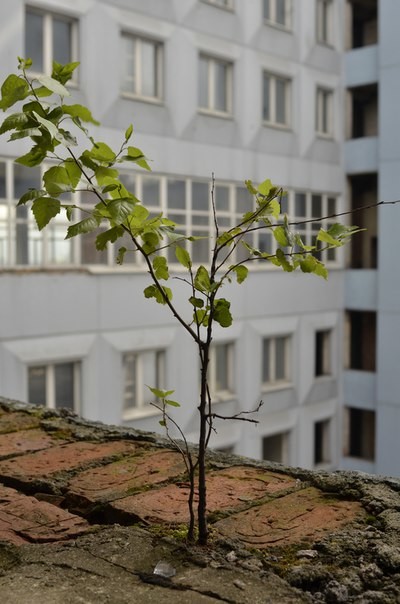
{"x":25,"y":441}
{"x":116,"y":480}
{"x":228,"y":489}
{"x":41,"y":464}
{"x":25,"y":519}
{"x":305,"y":515}
{"x":12,"y":422}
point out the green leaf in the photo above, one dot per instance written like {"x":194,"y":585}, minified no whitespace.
{"x":196,"y":302}
{"x":249,"y":185}
{"x":29,"y":195}
{"x":109,"y":236}
{"x":128,"y":132}
{"x":63,"y":73}
{"x":160,"y":267}
{"x":13,"y":89}
{"x":320,"y":270}
{"x":102,"y":152}
{"x":162,"y":423}
{"x":104,"y":175}
{"x":44,"y":209}
{"x":160,"y":393}
{"x":150,"y":242}
{"x":52,"y":129}
{"x":201,"y":317}
{"x":280,"y":235}
{"x":16,"y":120}
{"x":87,"y":225}
{"x":327,"y":238}
{"x":183,"y":256}
{"x":80,"y":111}
{"x":241,"y":272}
{"x":137,"y":156}
{"x":56,"y":180}
{"x":74,"y":172}
{"x":222,"y":313}
{"x":53,"y":85}
{"x":120,"y":208}
{"x":202,"y":280}
{"x":138,"y":217}
{"x":152,"y":291}
{"x":168,"y":401}
{"x":283,"y":262}
{"x":121,"y":255}
{"x":265,"y":187}
{"x":308,"y":264}
{"x":34,"y":157}
{"x":28,"y":132}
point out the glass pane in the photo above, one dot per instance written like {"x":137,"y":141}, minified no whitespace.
{"x":244,"y":200}
{"x":281,"y":12}
{"x":130,"y":381}
{"x":221,"y":368}
{"x":148,"y":375}
{"x":149,"y":69}
{"x":151,"y":192}
{"x":280,"y":358}
{"x":64,"y":384}
{"x":266,"y":8}
{"x":128,"y":180}
{"x":59,"y":250}
{"x":176,"y":194}
{"x":21,"y":232}
{"x":222,"y":197}
{"x":200,"y":219}
{"x":200,"y":196}
{"x":280,"y":90}
{"x":266,"y":98}
{"x":89,"y":253}
{"x":316,"y":206}
{"x":266,"y":361}
{"x":284,"y":201}
{"x":34,"y":39}
{"x":4,"y":260}
{"x":25,"y":178}
{"x":200,"y":248}
{"x":220,"y":86}
{"x":265,"y":242}
{"x":300,"y":204}
{"x":2,"y":180}
{"x":203,"y":83}
{"x":331,"y":205}
{"x":62,"y":43}
{"x":37,"y":385}
{"x":128,"y":64}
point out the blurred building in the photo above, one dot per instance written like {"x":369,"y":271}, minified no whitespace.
{"x":280,"y":89}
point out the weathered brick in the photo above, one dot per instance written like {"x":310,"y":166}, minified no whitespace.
{"x":41,"y":464}
{"x":12,"y":422}
{"x":304,"y":515}
{"x":227,"y":489}
{"x":118,"y":479}
{"x":25,"y":519}
{"x":13,"y":443}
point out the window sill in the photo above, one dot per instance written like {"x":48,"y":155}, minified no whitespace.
{"x":267,"y":388}
{"x":141,"y":413}
{"x":219,"y":114}
{"x":284,"y":28}
{"x":325,"y":44}
{"x":142,"y":99}
{"x":325,"y":136}
{"x":228,"y":9}
{"x":223,"y":396}
{"x":276,"y":126}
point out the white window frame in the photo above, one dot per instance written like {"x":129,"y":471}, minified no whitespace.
{"x":324,"y":22}
{"x":138,"y":41}
{"x":324,"y":112}
{"x":274,"y":381}
{"x":271,"y":17}
{"x":141,"y":407}
{"x":225,"y":4}
{"x":50,"y":401}
{"x":47,"y":42}
{"x":210,"y":109}
{"x":226,"y":393}
{"x":272,"y":119}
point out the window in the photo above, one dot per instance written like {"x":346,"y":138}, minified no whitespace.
{"x":221,"y":370}
{"x":322,"y":353}
{"x":275,"y":361}
{"x":221,"y":3}
{"x":324,"y":24}
{"x":360,"y":352}
{"x":276,"y":447}
{"x":142,"y":369}
{"x":278,"y":12}
{"x":50,"y":37}
{"x":322,"y":452}
{"x":141,"y":67}
{"x":359,"y":433}
{"x":324,"y":112}
{"x":215,"y":85}
{"x":276,"y":100}
{"x":55,"y":386}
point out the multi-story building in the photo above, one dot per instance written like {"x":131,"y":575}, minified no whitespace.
{"x":240,"y":89}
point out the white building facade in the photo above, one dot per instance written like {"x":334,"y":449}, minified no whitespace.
{"x":243,"y":89}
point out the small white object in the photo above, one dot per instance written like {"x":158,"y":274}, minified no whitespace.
{"x":164,"y":569}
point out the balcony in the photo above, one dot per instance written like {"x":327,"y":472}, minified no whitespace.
{"x":362,"y":23}
{"x":361,"y":66}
